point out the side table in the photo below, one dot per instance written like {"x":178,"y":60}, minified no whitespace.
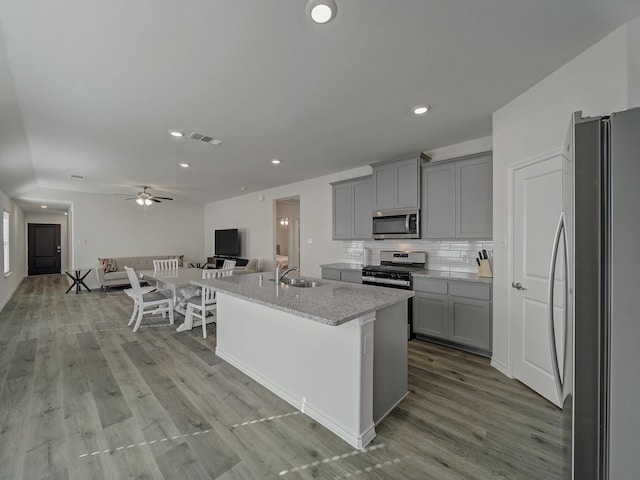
{"x":78,"y":275}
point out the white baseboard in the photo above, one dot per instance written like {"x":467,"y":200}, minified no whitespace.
{"x":354,"y":439}
{"x":501,"y":368}
{"x":8,"y":297}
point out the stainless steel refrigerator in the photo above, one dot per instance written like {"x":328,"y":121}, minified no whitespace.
{"x":595,"y":270}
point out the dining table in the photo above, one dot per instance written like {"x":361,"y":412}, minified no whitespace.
{"x":178,"y":281}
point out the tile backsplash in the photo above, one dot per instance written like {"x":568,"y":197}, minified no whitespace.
{"x":442,"y":255}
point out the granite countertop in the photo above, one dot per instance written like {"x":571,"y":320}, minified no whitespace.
{"x":332,"y":303}
{"x":457,"y":276}
{"x":343,"y":266}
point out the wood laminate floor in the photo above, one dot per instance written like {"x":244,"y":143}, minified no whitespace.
{"x":82,"y":397}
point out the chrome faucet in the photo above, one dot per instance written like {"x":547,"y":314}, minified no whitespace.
{"x":280,"y":276}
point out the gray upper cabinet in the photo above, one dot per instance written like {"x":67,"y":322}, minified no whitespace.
{"x":439,"y":201}
{"x":342,"y":211}
{"x":474,"y":197}
{"x":396,"y":183}
{"x":457,"y":198}
{"x":352,"y":208}
{"x":362,"y":208}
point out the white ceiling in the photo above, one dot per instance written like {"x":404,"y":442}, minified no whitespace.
{"x":91,"y":88}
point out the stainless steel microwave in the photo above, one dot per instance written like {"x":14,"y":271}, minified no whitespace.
{"x":396,"y":224}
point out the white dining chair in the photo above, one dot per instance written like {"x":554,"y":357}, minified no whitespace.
{"x":199,"y":306}
{"x":228,"y":264}
{"x":147,"y":303}
{"x":165,"y":264}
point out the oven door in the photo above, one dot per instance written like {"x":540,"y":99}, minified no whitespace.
{"x":396,"y":224}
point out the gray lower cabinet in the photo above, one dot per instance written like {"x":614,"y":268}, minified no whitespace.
{"x":352,"y":208}
{"x":457,"y":198}
{"x":458,"y":313}
{"x":342,"y":275}
{"x":431,"y":314}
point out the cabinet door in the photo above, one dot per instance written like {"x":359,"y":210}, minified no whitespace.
{"x":431,"y":314}
{"x":439,"y":201}
{"x":470,"y":322}
{"x":406,"y":183}
{"x":342,"y":211}
{"x":351,"y":276}
{"x":362,"y":208}
{"x":474,"y":193}
{"x":383,"y":186}
{"x":330,"y":273}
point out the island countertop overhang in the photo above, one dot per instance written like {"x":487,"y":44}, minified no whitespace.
{"x":332,"y":303}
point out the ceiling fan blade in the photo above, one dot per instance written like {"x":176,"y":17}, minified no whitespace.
{"x":154,"y":199}
{"x":163,"y":198}
{"x":132,"y":198}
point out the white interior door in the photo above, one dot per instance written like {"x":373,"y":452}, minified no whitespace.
{"x":538,"y":204}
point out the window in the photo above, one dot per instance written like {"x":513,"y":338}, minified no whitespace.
{"x":5,"y":241}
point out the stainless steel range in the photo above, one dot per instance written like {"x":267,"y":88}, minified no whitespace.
{"x":395,"y":269}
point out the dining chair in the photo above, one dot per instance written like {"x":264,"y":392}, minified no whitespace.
{"x":166,"y":264}
{"x":228,"y":264}
{"x":147,"y":303}
{"x":199,"y":306}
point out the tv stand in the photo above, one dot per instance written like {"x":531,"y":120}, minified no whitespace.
{"x":218,"y":260}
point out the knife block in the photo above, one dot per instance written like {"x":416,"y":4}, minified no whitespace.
{"x":484,"y":270}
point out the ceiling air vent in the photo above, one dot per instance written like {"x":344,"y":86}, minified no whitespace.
{"x":205,"y":138}
{"x":78,"y":177}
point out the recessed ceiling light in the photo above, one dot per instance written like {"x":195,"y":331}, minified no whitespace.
{"x":176,"y":133}
{"x":243,"y":188}
{"x":185,"y":165}
{"x":420,"y":109}
{"x":43,"y":206}
{"x":321,"y":11}
{"x":275,"y":161}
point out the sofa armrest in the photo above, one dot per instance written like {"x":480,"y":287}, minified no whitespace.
{"x":100,"y":275}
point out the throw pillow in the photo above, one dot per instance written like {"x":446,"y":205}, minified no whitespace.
{"x":108,"y":265}
{"x":180,"y":260}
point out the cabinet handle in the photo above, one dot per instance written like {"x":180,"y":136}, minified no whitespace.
{"x":517,"y":286}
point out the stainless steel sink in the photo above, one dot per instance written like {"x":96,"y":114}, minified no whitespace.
{"x":305,"y":283}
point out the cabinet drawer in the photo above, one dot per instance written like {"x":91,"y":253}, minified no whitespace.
{"x":470,"y":290}
{"x":429,"y":285}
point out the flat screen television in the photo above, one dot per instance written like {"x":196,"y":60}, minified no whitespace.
{"x":227,"y":243}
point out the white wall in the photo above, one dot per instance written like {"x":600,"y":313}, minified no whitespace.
{"x":51,"y":218}
{"x":109,"y":226}
{"x":9,"y":284}
{"x":256,"y":220}
{"x":598,"y":81}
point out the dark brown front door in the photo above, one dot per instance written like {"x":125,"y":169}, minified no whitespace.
{"x":44,"y":248}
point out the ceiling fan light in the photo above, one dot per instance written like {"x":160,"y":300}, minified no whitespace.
{"x":147,"y":202}
{"x":139,"y":201}
{"x":321,"y":11}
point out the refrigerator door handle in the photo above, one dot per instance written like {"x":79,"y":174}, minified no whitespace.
{"x":552,"y":329}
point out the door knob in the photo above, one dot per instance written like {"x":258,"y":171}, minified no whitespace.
{"x":517,"y":286}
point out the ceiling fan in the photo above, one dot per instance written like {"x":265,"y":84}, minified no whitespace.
{"x":145,"y":199}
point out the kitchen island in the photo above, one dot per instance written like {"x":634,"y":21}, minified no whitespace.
{"x":336,"y":351}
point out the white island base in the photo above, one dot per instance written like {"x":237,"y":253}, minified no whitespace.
{"x":327,"y":372}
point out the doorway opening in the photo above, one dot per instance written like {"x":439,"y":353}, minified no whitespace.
{"x":287,"y":232}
